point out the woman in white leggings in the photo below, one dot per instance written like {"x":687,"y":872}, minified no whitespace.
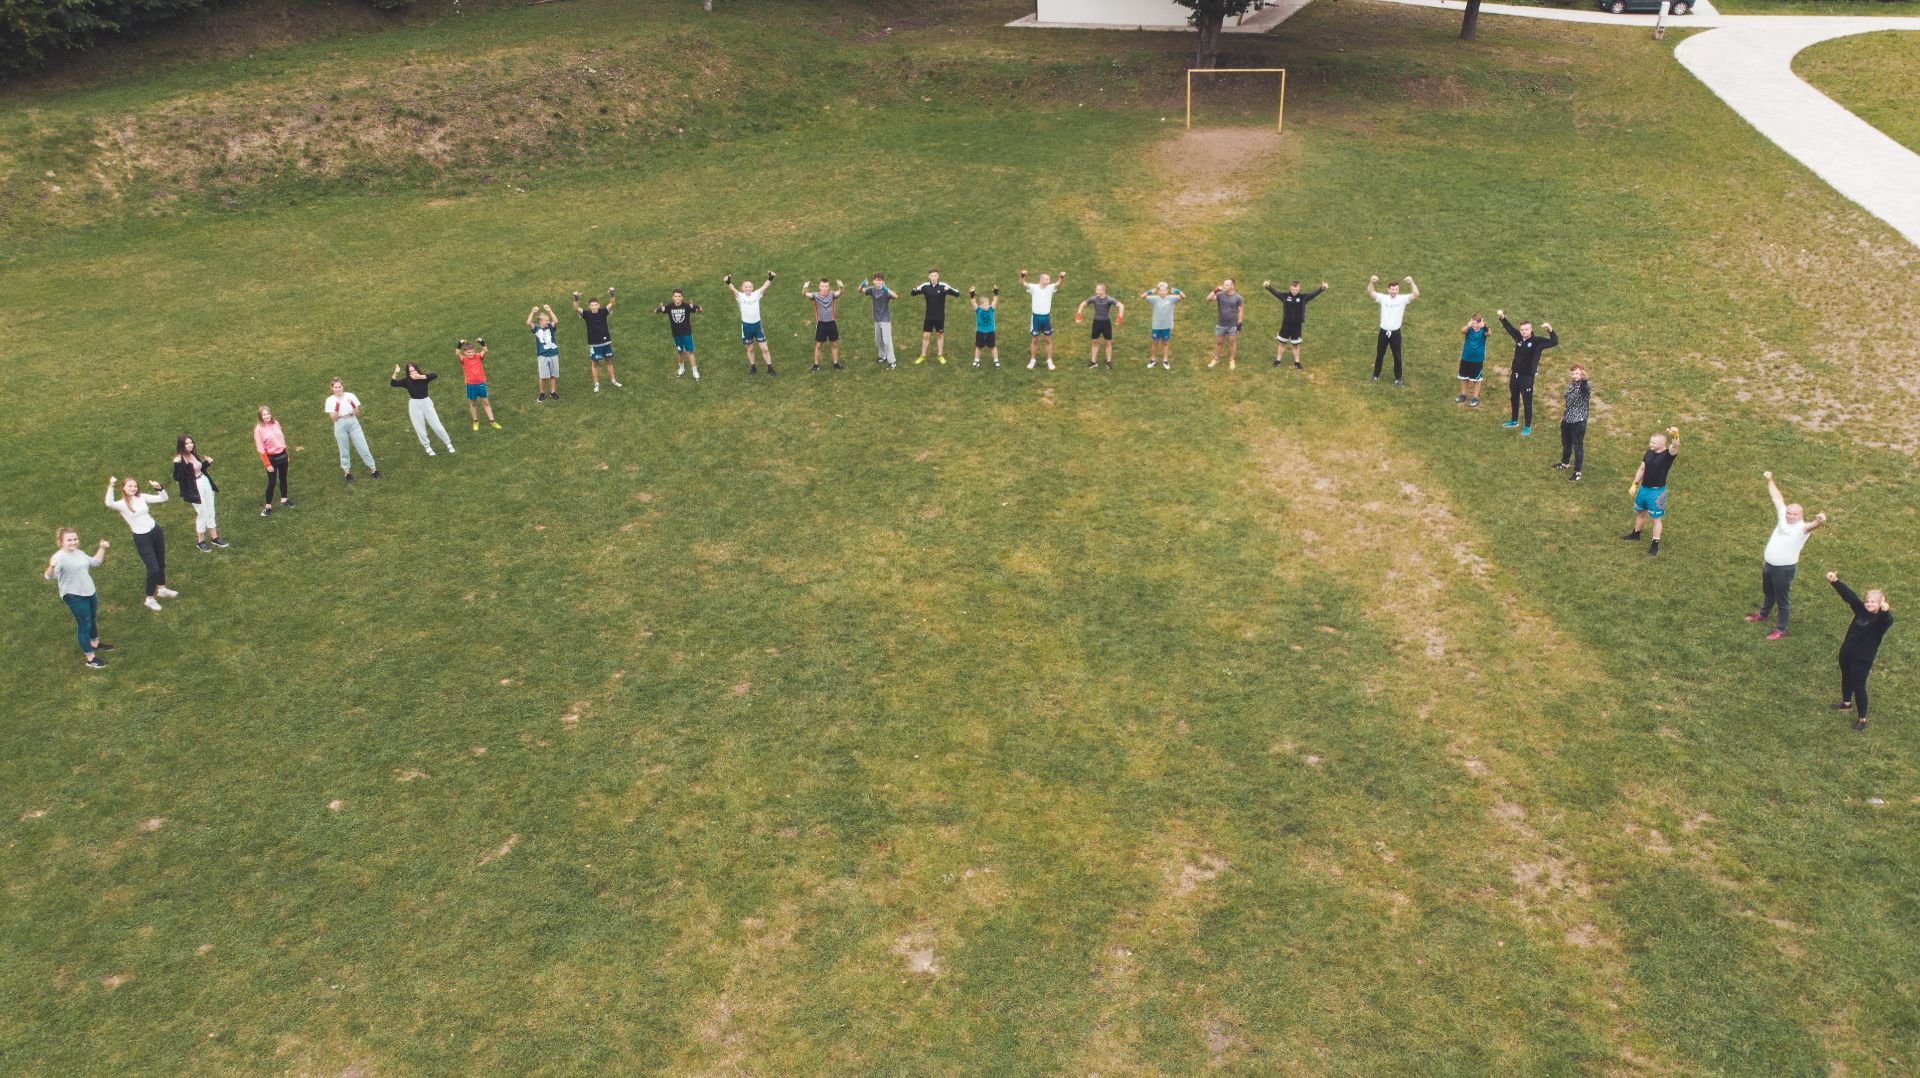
{"x":194,"y":475}
{"x":420,"y":407}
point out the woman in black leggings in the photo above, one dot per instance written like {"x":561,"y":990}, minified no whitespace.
{"x":148,"y":538}
{"x":1871,"y":619}
{"x":271,"y":443}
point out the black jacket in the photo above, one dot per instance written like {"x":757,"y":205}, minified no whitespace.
{"x":1526,"y":351}
{"x":183,"y":475}
{"x":1293,"y":309}
{"x":1866,"y":629}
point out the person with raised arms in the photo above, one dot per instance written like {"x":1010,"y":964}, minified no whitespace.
{"x":1160,"y":336}
{"x":1232,"y":312}
{"x":680,"y":324}
{"x":983,"y":324}
{"x":420,"y":409}
{"x":1872,"y":617}
{"x":1526,"y":364}
{"x":1106,"y":311}
{"x":193,"y":476}
{"x":546,"y":353}
{"x":876,"y":290}
{"x":1042,"y":325}
{"x":1293,"y":318}
{"x":751,"y":331}
{"x":72,"y":570}
{"x":1649,"y":487}
{"x":826,"y":319}
{"x":344,"y":409}
{"x":934,"y":325}
{"x":473,"y":367}
{"x":149,"y":538}
{"x":271,"y":443}
{"x":599,"y":340}
{"x":1782,"y":556}
{"x":1393,"y":314}
{"x":1473,"y":360}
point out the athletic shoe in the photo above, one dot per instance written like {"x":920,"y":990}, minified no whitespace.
{"x":1631,"y":537}
{"x":1109,"y":364}
{"x":429,"y":449}
{"x":1574,"y":478}
{"x":976,"y":364}
{"x":1560,"y":466}
{"x":696,"y":376}
{"x":616,"y":383}
{"x":1276,"y":363}
{"x":1511,"y":423}
{"x":1049,"y":364}
{"x":682,"y":373}
{"x":1462,"y":399}
{"x":1653,"y":548}
{"x":1212,"y":363}
{"x":943,"y":361}
{"x":221,"y":543}
{"x":1398,"y":382}
{"x":1092,"y":363}
{"x":451,"y":449}
{"x":813,"y":368}
{"x":266,"y":510}
{"x":1860,"y":726}
{"x":555,"y":395}
{"x":1844,"y":705}
{"x":1297,"y":366}
{"x":165,"y":592}
{"x":1524,"y":431}
{"x":543,"y":396}
{"x":1031,"y":363}
{"x":919,"y":361}
{"x":1756,"y":616}
{"x":893,"y":365}
{"x":753,"y":368}
{"x":285,"y":504}
{"x":1474,"y":403}
{"x":1232,"y":367}
{"x":770,"y":371}
{"x":103,"y":646}
{"x":1776,"y":634}
{"x":476,"y":424}
{"x":152,"y":603}
{"x":596,"y":387}
{"x":490,"y":423}
{"x":375,"y":473}
{"x":1150,"y":363}
{"x":838,"y":367}
{"x":1375,"y":378}
{"x":95,"y":663}
{"x":349,"y":476}
{"x":204,"y":547}
{"x":996,"y":364}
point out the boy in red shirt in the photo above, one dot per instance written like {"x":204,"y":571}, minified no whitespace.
{"x":473,"y":365}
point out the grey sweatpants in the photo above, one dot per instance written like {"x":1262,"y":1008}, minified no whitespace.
{"x":424,"y":416}
{"x":346,"y":430}
{"x":883,"y":341}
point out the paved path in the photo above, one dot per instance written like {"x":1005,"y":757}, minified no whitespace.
{"x":1702,"y":15}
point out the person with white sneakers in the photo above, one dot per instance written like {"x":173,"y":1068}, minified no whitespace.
{"x":751,"y":331}
{"x":149,"y":539}
{"x":420,"y":409}
{"x":599,"y":340}
{"x":1160,"y":336}
{"x":1393,"y":312}
{"x":1042,"y":325}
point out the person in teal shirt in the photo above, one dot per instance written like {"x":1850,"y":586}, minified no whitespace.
{"x":983,"y":323}
{"x":1473,"y":358}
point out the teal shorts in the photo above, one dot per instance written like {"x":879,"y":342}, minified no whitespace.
{"x":1651,"y":501}
{"x":1162,"y":334}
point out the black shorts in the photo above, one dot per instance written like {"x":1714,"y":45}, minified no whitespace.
{"x":826,"y":331}
{"x":1102,"y":329}
{"x":983,"y":338}
{"x":1288,"y":334}
{"x":933,"y":325}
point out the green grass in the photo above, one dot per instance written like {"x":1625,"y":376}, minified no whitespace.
{"x":1865,"y":8}
{"x":1272,"y":721}
{"x":1876,"y":76}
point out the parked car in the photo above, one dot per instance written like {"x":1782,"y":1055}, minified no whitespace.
{"x":1621,"y":7}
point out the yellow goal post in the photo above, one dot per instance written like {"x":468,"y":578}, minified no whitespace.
{"x":1280,"y":123}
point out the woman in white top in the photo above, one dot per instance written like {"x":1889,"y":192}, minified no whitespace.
{"x":194,"y":474}
{"x":74,"y":572}
{"x":344,"y":409}
{"x":148,"y":538}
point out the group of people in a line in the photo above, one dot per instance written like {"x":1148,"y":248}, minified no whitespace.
{"x":193,"y":470}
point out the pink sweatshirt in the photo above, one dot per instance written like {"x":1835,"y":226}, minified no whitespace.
{"x":267,"y":439}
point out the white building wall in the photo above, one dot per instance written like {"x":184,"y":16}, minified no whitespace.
{"x":1117,"y":12}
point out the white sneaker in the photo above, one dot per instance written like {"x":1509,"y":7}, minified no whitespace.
{"x":451,"y":449}
{"x":976,"y":364}
{"x":152,"y":603}
{"x":616,"y":383}
{"x":166,"y":593}
{"x":1031,"y":362}
{"x":996,"y":364}
{"x":429,"y":450}
{"x":1049,"y":364}
{"x":681,"y":374}
{"x":696,"y":376}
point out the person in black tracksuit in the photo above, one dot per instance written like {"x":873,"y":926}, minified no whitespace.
{"x":1871,"y":619}
{"x":1526,"y":363}
{"x":1293,"y":318}
{"x":935,"y":291}
{"x":1573,"y":422}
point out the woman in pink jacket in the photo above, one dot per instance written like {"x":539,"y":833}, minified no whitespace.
{"x":271,"y":443}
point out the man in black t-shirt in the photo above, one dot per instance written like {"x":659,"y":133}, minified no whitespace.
{"x":935,"y":291}
{"x":599,"y":341}
{"x":1293,"y":318}
{"x":680,"y":323}
{"x":1649,"y":487}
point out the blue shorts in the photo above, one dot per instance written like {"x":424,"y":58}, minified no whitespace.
{"x":1162,"y":334}
{"x":476,"y":390}
{"x":750,"y":332}
{"x":1651,"y":501}
{"x":683,"y":344}
{"x":1042,"y":325}
{"x":603,"y":350}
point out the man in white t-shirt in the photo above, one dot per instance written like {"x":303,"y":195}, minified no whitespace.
{"x":1042,"y":294}
{"x":751,"y":331}
{"x":1790,"y":531}
{"x":1393,"y":311}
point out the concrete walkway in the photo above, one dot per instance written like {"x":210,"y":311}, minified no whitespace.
{"x":1702,"y":15}
{"x":1748,"y":62}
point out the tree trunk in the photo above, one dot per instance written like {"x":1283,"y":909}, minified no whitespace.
{"x":1470,"y":22}
{"x":1208,"y":54}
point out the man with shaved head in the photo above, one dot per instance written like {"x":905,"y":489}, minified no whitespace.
{"x":1790,"y":530}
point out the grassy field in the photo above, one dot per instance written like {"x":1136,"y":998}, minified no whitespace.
{"x":946,"y":721}
{"x":1875,"y":75}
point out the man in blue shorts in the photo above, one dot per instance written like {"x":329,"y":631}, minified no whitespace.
{"x":546,"y":349}
{"x":680,"y":323}
{"x":599,"y":341}
{"x":748,"y":297}
{"x":1160,"y":347}
{"x":1042,"y":294}
{"x":1649,"y":488}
